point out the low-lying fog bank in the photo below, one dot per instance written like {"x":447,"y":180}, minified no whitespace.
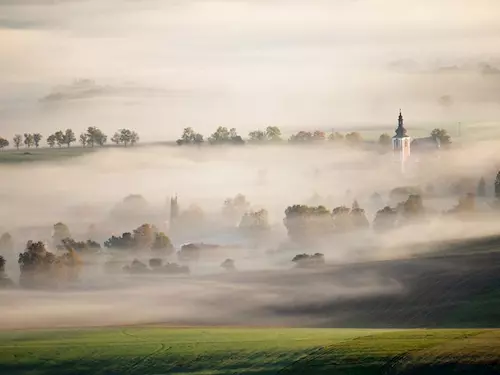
{"x":247,"y":275}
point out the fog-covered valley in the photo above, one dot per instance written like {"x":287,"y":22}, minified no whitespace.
{"x":115,"y":191}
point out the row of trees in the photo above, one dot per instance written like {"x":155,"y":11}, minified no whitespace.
{"x":224,"y":135}
{"x":90,"y":138}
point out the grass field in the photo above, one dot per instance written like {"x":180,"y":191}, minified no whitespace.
{"x":157,"y":350}
{"x":43,"y":154}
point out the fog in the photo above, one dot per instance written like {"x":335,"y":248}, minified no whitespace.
{"x":85,"y":190}
{"x":158,"y":66}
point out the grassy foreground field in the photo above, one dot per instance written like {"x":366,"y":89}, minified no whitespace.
{"x":249,"y":351}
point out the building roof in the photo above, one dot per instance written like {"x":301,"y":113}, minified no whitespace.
{"x":425,"y":144}
{"x":401,"y":130}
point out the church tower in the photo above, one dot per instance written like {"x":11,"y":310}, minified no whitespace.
{"x":401,"y":143}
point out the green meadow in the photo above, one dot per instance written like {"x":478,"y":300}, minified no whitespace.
{"x":221,"y":351}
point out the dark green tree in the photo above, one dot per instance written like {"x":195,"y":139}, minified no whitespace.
{"x":3,"y":143}
{"x":69,"y":137}
{"x":441,"y":135}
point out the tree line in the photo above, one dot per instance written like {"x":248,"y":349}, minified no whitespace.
{"x":273,"y":134}
{"x":92,"y":137}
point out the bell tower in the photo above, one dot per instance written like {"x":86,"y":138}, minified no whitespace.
{"x":401,"y":143}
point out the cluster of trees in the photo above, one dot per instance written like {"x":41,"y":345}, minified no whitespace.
{"x":309,"y":261}
{"x":273,"y":134}
{"x":41,"y":268}
{"x":5,"y":282}
{"x":145,"y":237}
{"x":156,"y":266}
{"x":304,"y":223}
{"x":255,"y":221}
{"x":92,"y":137}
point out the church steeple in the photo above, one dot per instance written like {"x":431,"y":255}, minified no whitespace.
{"x":401,"y":131}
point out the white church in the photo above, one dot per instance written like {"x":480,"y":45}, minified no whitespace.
{"x":403,"y":146}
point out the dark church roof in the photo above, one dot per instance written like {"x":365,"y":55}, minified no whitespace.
{"x":401,"y":130}
{"x":425,"y":144}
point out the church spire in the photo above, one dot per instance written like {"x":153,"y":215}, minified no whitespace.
{"x":401,"y":131}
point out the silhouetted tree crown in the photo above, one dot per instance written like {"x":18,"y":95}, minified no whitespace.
{"x":18,"y":139}
{"x":3,"y":143}
{"x":441,"y":135}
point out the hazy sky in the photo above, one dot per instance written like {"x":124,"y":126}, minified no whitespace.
{"x":160,"y":65}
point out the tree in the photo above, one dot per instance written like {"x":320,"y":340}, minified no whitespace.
{"x":51,"y":140}
{"x":385,"y":140}
{"x":144,"y":236}
{"x":36,"y":265}
{"x":83,"y":139}
{"x":466,"y":205}
{"x":413,"y":208}
{"x":37,"y":137}
{"x":221,"y":135}
{"x":91,"y":135}
{"x":28,"y":140}
{"x":255,"y":221}
{"x":134,"y":138}
{"x":341,"y":219}
{"x":228,"y":265}
{"x":441,"y":135}
{"x":319,"y":135}
{"x":189,"y":136}
{"x":69,"y":137}
{"x":5,"y":282}
{"x":497,"y":186}
{"x":3,"y":143}
{"x":60,"y":139}
{"x":309,"y":261}
{"x":61,"y":232}
{"x":354,"y":138}
{"x":162,"y":244}
{"x":301,"y":136}
{"x":481,"y":188}
{"x":336,"y":136}
{"x":116,"y":138}
{"x":257,"y":136}
{"x":88,"y":247}
{"x":124,"y":242}
{"x":18,"y":139}
{"x":235,"y":207}
{"x":385,"y":219}
{"x":96,"y":137}
{"x":273,"y":133}
{"x":125,"y":136}
{"x":6,"y":242}
{"x":307,"y":223}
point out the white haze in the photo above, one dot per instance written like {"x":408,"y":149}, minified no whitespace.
{"x":83,"y":190}
{"x":160,"y":65}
